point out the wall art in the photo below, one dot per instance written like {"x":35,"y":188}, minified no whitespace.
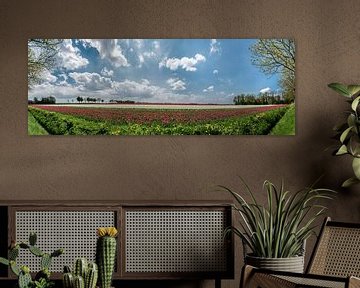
{"x":161,"y":87}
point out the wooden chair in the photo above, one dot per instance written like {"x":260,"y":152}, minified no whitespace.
{"x":334,"y":263}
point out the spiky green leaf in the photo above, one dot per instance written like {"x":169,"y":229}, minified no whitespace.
{"x":340,"y":88}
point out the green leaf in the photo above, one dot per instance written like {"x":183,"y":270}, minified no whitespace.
{"x":345,"y":134}
{"x":340,"y":88}
{"x":349,"y":182}
{"x":4,"y":261}
{"x":356,"y":167}
{"x":353,"y":89}
{"x":351,"y":120}
{"x":355,"y":103}
{"x":354,"y":144}
{"x":342,"y":150}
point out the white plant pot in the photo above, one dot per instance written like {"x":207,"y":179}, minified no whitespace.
{"x":291,"y":264}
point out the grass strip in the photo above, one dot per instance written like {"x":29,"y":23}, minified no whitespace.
{"x":34,"y":128}
{"x":286,"y":125}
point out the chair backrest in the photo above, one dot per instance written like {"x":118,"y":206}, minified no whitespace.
{"x":337,"y":251}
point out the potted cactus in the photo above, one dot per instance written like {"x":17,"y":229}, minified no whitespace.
{"x":42,"y":278}
{"x":85,"y":275}
{"x":106,"y":254}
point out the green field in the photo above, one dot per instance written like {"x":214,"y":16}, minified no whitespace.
{"x":64,"y":124}
{"x":286,"y":125}
{"x":34,"y":128}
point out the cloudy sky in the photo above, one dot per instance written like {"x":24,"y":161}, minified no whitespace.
{"x":154,"y":70}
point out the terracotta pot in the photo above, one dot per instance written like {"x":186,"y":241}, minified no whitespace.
{"x":291,"y":264}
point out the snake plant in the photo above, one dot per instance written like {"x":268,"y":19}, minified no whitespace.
{"x":279,"y":228}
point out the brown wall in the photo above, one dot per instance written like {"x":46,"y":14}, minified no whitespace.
{"x":327,"y":35}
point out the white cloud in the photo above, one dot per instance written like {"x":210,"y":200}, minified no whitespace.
{"x":176,"y":84}
{"x":215,"y":47}
{"x":48,"y":77}
{"x":209,"y":89}
{"x":110,"y":50}
{"x":137,"y":90}
{"x":215,"y":71}
{"x":186,"y":63}
{"x":107,"y":72}
{"x":265,"y":90}
{"x":69,"y":56}
{"x":91,"y":81}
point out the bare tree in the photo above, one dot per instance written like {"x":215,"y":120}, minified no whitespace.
{"x":41,"y":57}
{"x":276,"y":56}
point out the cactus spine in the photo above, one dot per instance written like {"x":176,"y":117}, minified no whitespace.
{"x":106,"y":254}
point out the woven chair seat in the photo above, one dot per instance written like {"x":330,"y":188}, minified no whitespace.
{"x":335,"y":262}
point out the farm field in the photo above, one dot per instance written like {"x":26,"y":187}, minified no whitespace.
{"x":151,"y":119}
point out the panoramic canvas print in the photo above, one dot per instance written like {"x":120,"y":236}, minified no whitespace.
{"x":161,"y":87}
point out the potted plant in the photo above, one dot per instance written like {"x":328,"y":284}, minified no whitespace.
{"x":42,"y":278}
{"x":349,"y":132}
{"x":276,"y":233}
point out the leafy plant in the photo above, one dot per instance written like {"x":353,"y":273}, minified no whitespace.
{"x":42,"y":278}
{"x":279,"y":229}
{"x":349,"y":132}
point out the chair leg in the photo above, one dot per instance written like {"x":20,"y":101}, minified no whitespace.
{"x":217,"y":283}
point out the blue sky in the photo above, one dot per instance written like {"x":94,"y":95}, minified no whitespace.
{"x":154,"y":70}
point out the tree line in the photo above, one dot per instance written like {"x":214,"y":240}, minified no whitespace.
{"x":45,"y":100}
{"x":89,"y":99}
{"x":260,"y":99}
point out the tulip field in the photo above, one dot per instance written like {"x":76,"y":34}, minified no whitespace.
{"x":156,"y":119}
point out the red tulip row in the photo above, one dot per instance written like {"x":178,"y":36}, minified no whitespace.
{"x":147,"y":116}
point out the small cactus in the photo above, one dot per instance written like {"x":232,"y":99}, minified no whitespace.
{"x":13,"y":253}
{"x":91,"y":276}
{"x":80,"y":268}
{"x":68,"y":280}
{"x":32,"y":239}
{"x":23,"y":273}
{"x":45,"y":261}
{"x":89,"y":272}
{"x":24,"y":278}
{"x":79,"y":282}
{"x":106,"y":254}
{"x":36,"y":251}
